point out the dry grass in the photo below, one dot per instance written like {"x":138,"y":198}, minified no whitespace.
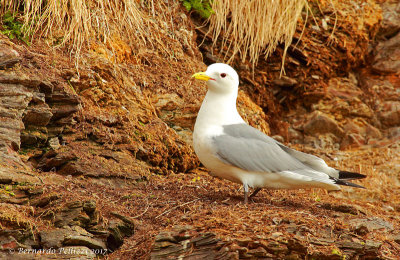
{"x":381,"y":165}
{"x":255,"y":27}
{"x":15,"y":215}
{"x":79,"y":23}
{"x":122,"y":30}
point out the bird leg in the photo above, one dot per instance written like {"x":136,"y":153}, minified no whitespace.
{"x":255,"y":192}
{"x":246,"y":193}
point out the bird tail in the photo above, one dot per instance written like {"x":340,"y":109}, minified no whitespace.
{"x":346,"y":183}
{"x":345,"y":175}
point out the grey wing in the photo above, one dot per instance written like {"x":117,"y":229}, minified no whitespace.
{"x":311,"y":161}
{"x":261,"y":156}
{"x":254,"y":155}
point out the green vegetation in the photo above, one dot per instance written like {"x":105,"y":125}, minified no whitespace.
{"x":202,"y":7}
{"x":7,"y":189}
{"x":13,"y":28}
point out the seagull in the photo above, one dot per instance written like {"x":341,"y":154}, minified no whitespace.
{"x":233,"y":150}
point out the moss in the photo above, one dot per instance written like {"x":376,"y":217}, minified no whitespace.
{"x":202,"y":7}
{"x":13,"y":28}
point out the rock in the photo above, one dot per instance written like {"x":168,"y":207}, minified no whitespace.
{"x":358,"y":247}
{"x":387,"y":58}
{"x":182,"y":232}
{"x":276,"y":235}
{"x":285,"y":81}
{"x":341,"y":208}
{"x":172,"y":110}
{"x":210,"y":58}
{"x":352,"y":141}
{"x":293,"y":256}
{"x":320,"y":123}
{"x":59,"y":96}
{"x":344,"y":99}
{"x":64,"y":111}
{"x":195,"y":245}
{"x":43,"y":202}
{"x":33,"y":137}
{"x":322,"y":241}
{"x":393,"y":132}
{"x":357,"y":132}
{"x":259,"y":252}
{"x":396,"y":238}
{"x":17,"y":239}
{"x":118,"y":231}
{"x":165,"y":236}
{"x":382,"y":143}
{"x":372,"y":132}
{"x":276,"y":248}
{"x":365,"y":225}
{"x":205,"y":240}
{"x":390,"y":24}
{"x":345,"y":89}
{"x":165,"y":250}
{"x":294,"y":135}
{"x":26,"y":117}
{"x":390,"y":113}
{"x":18,"y":77}
{"x":38,"y":115}
{"x":372,"y":247}
{"x":54,"y":143}
{"x":32,"y":191}
{"x":8,"y":242}
{"x":323,"y":141}
{"x":76,"y":240}
{"x":53,"y":160}
{"x":53,"y":238}
{"x":56,"y":130}
{"x":72,"y":168}
{"x":14,"y":99}
{"x":71,"y":214}
{"x":297,"y":245}
{"x":168,"y":102}
{"x":354,"y":127}
{"x":8,"y":57}
{"x":5,"y":179}
{"x":89,"y":206}
{"x":17,"y":176}
{"x":368,"y":249}
{"x":70,"y":236}
{"x":382,"y":87}
{"x":241,"y":250}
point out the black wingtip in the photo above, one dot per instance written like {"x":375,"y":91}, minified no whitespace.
{"x":346,"y":183}
{"x":345,"y":175}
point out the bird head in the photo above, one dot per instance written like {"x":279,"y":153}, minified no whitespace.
{"x":220,"y":77}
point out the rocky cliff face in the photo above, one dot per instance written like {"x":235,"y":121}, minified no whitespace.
{"x":98,"y":160}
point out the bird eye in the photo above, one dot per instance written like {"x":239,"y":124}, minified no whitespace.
{"x":223,"y":75}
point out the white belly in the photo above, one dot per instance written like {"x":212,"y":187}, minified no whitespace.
{"x":203,"y":148}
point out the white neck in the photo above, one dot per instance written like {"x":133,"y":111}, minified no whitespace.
{"x":218,"y":109}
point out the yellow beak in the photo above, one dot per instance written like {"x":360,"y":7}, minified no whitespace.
{"x":201,"y":76}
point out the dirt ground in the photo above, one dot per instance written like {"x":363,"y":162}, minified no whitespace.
{"x":157,"y":202}
{"x":217,"y":206}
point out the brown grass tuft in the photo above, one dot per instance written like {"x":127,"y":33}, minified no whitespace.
{"x":78,"y":23}
{"x":255,"y":27}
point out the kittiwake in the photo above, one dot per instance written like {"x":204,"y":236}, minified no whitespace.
{"x":233,"y":150}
